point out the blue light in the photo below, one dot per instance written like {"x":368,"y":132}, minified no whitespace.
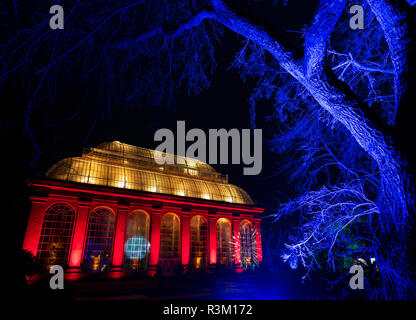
{"x":136,"y":247}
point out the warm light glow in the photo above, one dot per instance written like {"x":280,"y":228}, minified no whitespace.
{"x":191,"y":163}
{"x":228,"y":199}
{"x":116,"y":164}
{"x":120,"y":184}
{"x":95,"y":262}
{"x":191,"y":172}
{"x":198,"y":261}
{"x":123,"y":183}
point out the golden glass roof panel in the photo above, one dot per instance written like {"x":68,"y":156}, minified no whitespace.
{"x":145,"y":176}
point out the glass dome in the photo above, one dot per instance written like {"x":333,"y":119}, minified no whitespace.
{"x":119,"y":165}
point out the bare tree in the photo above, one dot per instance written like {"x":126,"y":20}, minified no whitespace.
{"x":160,"y":46}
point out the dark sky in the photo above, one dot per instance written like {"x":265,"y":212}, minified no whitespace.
{"x":68,"y":116}
{"x":223,"y":105}
{"x":74,"y":120}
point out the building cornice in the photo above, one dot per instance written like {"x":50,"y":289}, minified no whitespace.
{"x":83,"y":189}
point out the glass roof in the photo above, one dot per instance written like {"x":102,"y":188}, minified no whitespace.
{"x":115,"y":164}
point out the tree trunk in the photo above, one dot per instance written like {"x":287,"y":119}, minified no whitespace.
{"x":393,"y":198}
{"x":343,"y":108}
{"x":397,"y":19}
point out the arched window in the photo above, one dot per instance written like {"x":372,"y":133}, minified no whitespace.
{"x":136,"y":247}
{"x":99,"y":243}
{"x":224,"y":253}
{"x":55,"y":237}
{"x":169,"y":236}
{"x":199,"y":241}
{"x":248,"y":244}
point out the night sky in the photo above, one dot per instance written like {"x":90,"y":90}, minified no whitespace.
{"x":70,"y":125}
{"x":76,"y":116}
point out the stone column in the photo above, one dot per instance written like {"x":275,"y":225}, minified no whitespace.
{"x":154,"y":240}
{"x":78,"y":238}
{"x":212,"y":234}
{"x":185,"y":221}
{"x":120,"y":237}
{"x":34,"y":225}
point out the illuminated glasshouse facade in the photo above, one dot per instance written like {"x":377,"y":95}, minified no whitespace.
{"x":114,"y":208}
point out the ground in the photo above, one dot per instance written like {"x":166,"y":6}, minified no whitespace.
{"x":258,"y":285}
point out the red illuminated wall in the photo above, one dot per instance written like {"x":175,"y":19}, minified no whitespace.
{"x":85,"y":198}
